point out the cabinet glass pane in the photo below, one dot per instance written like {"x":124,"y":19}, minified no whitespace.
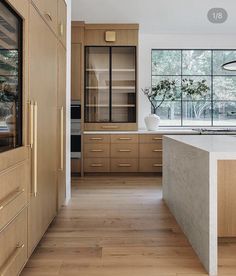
{"x":123,"y":84}
{"x":97,"y":92}
{"x":10,"y":78}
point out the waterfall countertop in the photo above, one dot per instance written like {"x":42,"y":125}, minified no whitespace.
{"x":209,"y":143}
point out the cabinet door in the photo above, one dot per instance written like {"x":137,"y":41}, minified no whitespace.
{"x":97,"y":85}
{"x":76,"y":71}
{"x":123,"y":84}
{"x":48,"y":10}
{"x":62,"y":15}
{"x":43,"y":91}
{"x":61,"y":125}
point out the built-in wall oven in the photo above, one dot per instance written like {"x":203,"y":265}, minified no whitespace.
{"x":75,"y":129}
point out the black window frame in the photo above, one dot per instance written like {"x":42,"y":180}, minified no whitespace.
{"x":212,"y":75}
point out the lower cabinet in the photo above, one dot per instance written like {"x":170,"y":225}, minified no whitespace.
{"x":122,"y":153}
{"x":13,"y":239}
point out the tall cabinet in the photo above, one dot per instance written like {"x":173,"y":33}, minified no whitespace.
{"x":32,"y":131}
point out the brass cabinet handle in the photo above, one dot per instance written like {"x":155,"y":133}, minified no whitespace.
{"x":61,"y":29}
{"x":98,"y":150}
{"x":124,"y":150}
{"x":157,"y":165}
{"x":110,"y":127}
{"x":11,"y":259}
{"x":96,"y":165}
{"x":96,"y":138}
{"x":62,"y":139}
{"x":12,"y":196}
{"x":48,"y":15}
{"x":31,"y":122}
{"x":124,"y":165}
{"x":157,"y":150}
{"x":157,"y":138}
{"x":35,"y":151}
{"x":125,"y":138}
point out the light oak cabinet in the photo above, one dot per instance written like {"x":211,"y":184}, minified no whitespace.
{"x":122,"y":153}
{"x":76,"y":71}
{"x":48,"y":10}
{"x":61,"y":21}
{"x":43,"y":95}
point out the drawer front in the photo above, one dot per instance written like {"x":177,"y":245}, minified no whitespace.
{"x":95,"y":139}
{"x":48,"y":10}
{"x":110,"y":126}
{"x":124,"y":165}
{"x":13,"y":192}
{"x":123,"y":139}
{"x":95,"y":151}
{"x":124,"y":150}
{"x":96,"y":165}
{"x":150,"y":165}
{"x":14,"y":241}
{"x":150,"y":139}
{"x":150,"y":150}
{"x":62,"y":15}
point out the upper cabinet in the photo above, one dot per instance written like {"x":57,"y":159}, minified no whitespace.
{"x":62,"y":15}
{"x":48,"y":9}
{"x":10,"y":78}
{"x":111,"y":34}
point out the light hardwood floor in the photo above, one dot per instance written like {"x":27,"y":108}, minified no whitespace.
{"x":119,"y":226}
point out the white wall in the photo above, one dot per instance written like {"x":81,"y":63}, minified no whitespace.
{"x":68,"y":102}
{"x":175,"y":41}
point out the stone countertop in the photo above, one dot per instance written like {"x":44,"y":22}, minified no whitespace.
{"x":161,"y":130}
{"x":209,"y":143}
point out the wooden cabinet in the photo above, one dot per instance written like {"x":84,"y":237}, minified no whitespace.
{"x":76,"y":71}
{"x":61,"y":127}
{"x":122,"y":152}
{"x":14,"y":241}
{"x":43,"y":97}
{"x":123,"y":34}
{"x":61,"y":19}
{"x":48,"y":10}
{"x":110,"y":87}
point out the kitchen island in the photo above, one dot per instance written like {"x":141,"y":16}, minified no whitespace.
{"x":199,"y":187}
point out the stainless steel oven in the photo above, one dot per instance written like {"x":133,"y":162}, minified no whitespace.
{"x":75,"y":129}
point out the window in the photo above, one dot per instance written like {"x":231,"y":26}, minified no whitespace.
{"x":210,"y":104}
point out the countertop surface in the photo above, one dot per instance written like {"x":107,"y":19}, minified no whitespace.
{"x":161,"y":130}
{"x":209,"y":143}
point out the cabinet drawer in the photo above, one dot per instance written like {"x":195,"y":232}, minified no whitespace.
{"x":97,"y":165}
{"x":14,"y":241}
{"x":93,"y":139}
{"x":150,"y":165}
{"x":48,"y":10}
{"x":93,"y":150}
{"x":150,"y":150}
{"x":125,"y":138}
{"x":13,"y":192}
{"x":124,"y":150}
{"x":62,"y":15}
{"x":150,"y":139}
{"x":110,"y":126}
{"x":124,"y":165}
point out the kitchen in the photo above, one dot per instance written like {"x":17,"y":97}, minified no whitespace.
{"x":135,"y":173}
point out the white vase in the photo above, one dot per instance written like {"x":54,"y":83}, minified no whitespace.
{"x":152,"y":122}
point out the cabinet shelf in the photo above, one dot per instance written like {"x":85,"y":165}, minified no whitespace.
{"x":106,"y":105}
{"x":107,"y":70}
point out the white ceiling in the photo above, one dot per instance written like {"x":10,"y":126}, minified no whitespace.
{"x":158,"y":16}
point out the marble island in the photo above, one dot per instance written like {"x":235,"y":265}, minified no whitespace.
{"x":199,"y":187}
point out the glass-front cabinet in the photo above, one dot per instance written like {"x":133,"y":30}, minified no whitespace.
{"x":110,"y":84}
{"x":10,"y":78}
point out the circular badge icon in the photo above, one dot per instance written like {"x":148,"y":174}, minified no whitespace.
{"x":217,"y":15}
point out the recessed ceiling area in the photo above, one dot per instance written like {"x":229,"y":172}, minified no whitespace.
{"x":158,"y":16}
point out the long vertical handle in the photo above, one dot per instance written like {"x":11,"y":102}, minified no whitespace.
{"x":62,"y":139}
{"x":35,"y":150}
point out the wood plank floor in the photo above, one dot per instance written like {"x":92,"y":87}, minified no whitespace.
{"x":119,"y":226}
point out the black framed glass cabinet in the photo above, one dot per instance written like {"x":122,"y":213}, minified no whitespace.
{"x":10,"y":78}
{"x":110,"y":87}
